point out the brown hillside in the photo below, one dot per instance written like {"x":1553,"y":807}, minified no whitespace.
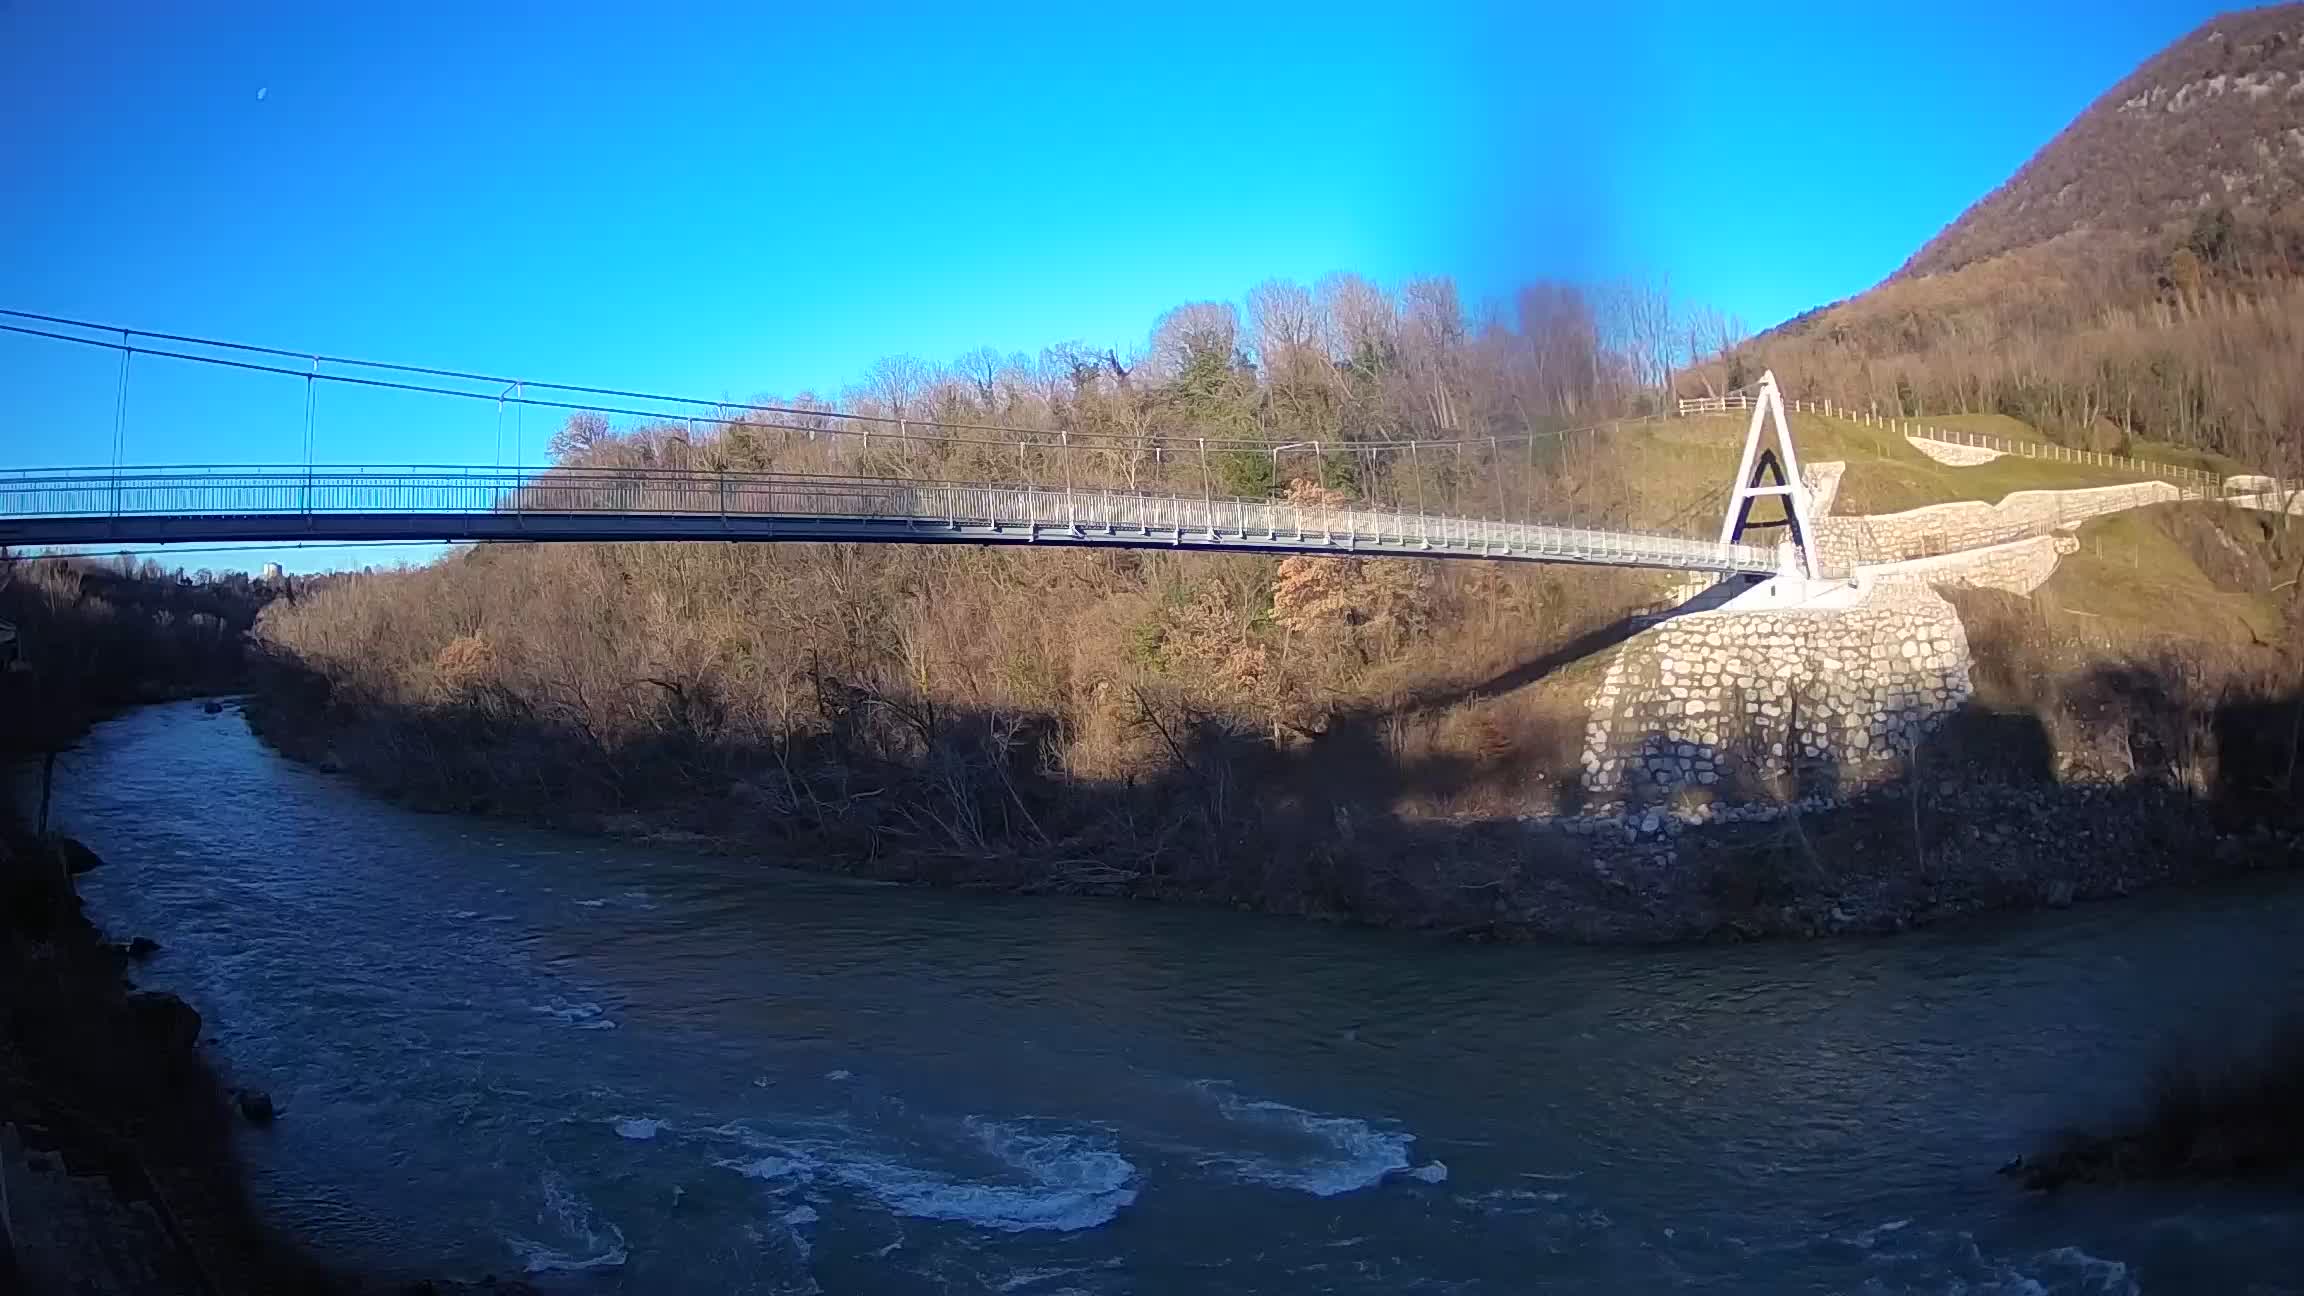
{"x":2140,"y":280}
{"x":2215,"y":119}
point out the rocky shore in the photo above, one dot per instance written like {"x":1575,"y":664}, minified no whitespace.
{"x":1898,"y":855}
{"x":117,"y":1173}
{"x":2238,"y":1121}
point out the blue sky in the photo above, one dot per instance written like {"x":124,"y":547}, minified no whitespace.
{"x":730,"y":199}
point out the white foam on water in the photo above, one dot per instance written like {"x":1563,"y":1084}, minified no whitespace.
{"x":591,"y":904}
{"x":2096,"y":1273}
{"x":1344,"y":1153}
{"x":594,"y":1244}
{"x":1007,"y":1176}
{"x":575,"y":1014}
{"x":1034,"y":1278}
{"x":1431,"y":1172}
{"x":800,"y":1215}
{"x":1871,"y":1237}
{"x":840,"y":1075}
{"x":1056,"y":1181}
{"x":640,"y":1127}
{"x":1928,"y":1260}
{"x":766,"y":1167}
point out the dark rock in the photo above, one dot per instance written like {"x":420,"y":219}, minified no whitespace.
{"x":77,"y":858}
{"x":165,"y":1019}
{"x":213,"y":708}
{"x":256,"y":1105}
{"x":140,"y":947}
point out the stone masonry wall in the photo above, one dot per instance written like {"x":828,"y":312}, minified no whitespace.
{"x":1714,"y":710}
{"x":1734,"y":711}
{"x":1953,"y":452}
{"x":1970,"y":524}
{"x":2019,"y":567}
{"x":1732,"y":706}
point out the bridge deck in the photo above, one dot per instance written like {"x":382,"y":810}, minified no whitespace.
{"x":99,"y":507}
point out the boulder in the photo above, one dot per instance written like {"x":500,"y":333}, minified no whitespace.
{"x":166,"y":1020}
{"x":77,"y":858}
{"x":138,"y":947}
{"x":255,"y":1105}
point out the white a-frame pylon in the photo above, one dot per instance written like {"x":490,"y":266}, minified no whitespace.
{"x":1766,"y":472}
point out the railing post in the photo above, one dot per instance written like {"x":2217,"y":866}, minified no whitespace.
{"x":310,"y":394}
{"x":1528,"y":487}
{"x":1207,"y":490}
{"x":1327,"y":520}
{"x":1423,"y":516}
{"x":120,"y":420}
{"x":1064,"y":439}
{"x":1496,"y":470}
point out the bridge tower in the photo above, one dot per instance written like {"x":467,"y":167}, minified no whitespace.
{"x":1771,"y":472}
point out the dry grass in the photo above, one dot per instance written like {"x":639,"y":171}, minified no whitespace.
{"x":1885,"y":474}
{"x":2206,"y":1119}
{"x":2175,"y":571}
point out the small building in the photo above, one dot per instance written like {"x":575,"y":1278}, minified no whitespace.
{"x":272,"y":573}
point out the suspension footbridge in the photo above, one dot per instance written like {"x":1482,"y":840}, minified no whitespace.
{"x":889,"y":480}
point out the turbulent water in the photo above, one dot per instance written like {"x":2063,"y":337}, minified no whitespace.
{"x":619,"y":1068}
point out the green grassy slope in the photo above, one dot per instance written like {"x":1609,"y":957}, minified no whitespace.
{"x":2187,"y":571}
{"x":1885,"y":473}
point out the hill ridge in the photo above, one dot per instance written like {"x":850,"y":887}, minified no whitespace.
{"x":2215,"y":119}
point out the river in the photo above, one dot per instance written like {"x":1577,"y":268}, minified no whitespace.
{"x":622,"y":1068}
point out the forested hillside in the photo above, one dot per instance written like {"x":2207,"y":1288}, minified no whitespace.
{"x":92,"y":635}
{"x":2214,"y":120}
{"x":2142,"y":276}
{"x":1000,"y":711}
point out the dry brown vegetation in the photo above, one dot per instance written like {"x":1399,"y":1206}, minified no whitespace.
{"x":96,"y":634}
{"x":2080,"y":338}
{"x":2169,"y":651}
{"x":627,"y":676}
{"x":1233,"y":725}
{"x":1004,"y":714}
{"x":2220,"y":112}
{"x":2140,"y":280}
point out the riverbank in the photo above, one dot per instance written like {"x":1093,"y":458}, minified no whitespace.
{"x":1954,"y":842}
{"x":634,"y":1068}
{"x":2205,"y":1122}
{"x":117,"y":1171}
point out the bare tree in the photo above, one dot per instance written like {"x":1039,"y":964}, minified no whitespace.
{"x":1432,"y":337}
{"x":579,"y":436}
{"x":1649,"y":332}
{"x":1361,"y":319}
{"x":1196,"y":333}
{"x":897,"y":384}
{"x":982,"y":369}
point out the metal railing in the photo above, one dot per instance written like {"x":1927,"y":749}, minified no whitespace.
{"x":67,"y":506}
